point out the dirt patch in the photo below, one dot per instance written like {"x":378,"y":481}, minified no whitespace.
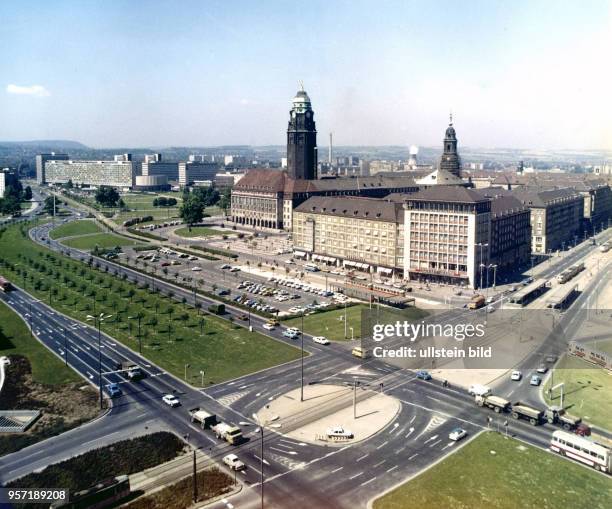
{"x":63,"y":406}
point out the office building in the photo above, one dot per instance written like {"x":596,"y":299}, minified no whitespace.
{"x":194,"y":172}
{"x":356,"y":233}
{"x":8,"y":178}
{"x":153,"y":165}
{"x":114,"y":173}
{"x":41,"y":159}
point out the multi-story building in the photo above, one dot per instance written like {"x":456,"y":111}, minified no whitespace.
{"x":267,"y":198}
{"x":510,"y":246}
{"x":153,"y":165}
{"x":7,"y":178}
{"x":193,"y":172}
{"x":41,"y":159}
{"x":447,"y":235}
{"x":357,"y":233}
{"x":93,"y":173}
{"x":556,"y":217}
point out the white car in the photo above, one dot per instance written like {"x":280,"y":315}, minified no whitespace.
{"x":490,"y":309}
{"x":235,"y":269}
{"x":232,"y":461}
{"x":269,"y":326}
{"x":171,"y":400}
{"x":339,"y":431}
{"x":457,"y":434}
{"x":516,"y":376}
{"x":322,"y":340}
{"x":196,"y":269}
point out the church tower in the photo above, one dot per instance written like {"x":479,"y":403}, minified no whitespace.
{"x":450,"y":158}
{"x":302,"y":139}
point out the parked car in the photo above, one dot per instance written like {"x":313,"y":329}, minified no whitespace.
{"x":457,"y":434}
{"x":196,"y":269}
{"x":171,"y":400}
{"x":423,"y":375}
{"x":225,"y":266}
{"x":232,"y":461}
{"x":516,"y":376}
{"x":322,"y":340}
{"x":535,"y":380}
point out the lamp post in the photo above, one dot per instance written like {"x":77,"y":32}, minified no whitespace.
{"x":98,"y":321}
{"x":139,"y":318}
{"x":261,"y":456}
{"x":186,"y":366}
{"x":482,"y":245}
{"x":302,"y":361}
{"x":352,"y":334}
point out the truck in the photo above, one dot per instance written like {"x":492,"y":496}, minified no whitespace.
{"x":522,"y":411}
{"x":496,"y":403}
{"x":479,"y":390}
{"x":203,"y":418}
{"x":231,"y":434}
{"x":557,"y":415}
{"x":5,"y":285}
{"x":133,"y":370}
{"x":476,"y":302}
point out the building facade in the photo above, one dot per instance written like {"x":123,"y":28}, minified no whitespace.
{"x":192,"y":172}
{"x":41,"y":159}
{"x":153,"y":165}
{"x":556,"y":217}
{"x":267,"y":198}
{"x":355,"y":233}
{"x":93,"y":173}
{"x":447,"y":235}
{"x":302,"y":139}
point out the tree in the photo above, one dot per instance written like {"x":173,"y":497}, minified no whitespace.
{"x":226,"y":200}
{"x":49,"y":205}
{"x":121,"y":204}
{"x":191,"y":211}
{"x":10,"y":206}
{"x":107,"y":196}
{"x":68,"y":185}
{"x":27,"y":193}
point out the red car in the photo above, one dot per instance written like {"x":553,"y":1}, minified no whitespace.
{"x":165,"y":264}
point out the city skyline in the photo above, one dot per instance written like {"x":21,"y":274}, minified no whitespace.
{"x":525,"y":76}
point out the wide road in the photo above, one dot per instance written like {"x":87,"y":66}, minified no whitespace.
{"x":293,"y":470}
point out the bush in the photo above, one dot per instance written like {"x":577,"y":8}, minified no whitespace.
{"x":125,"y":457}
{"x":147,"y":235}
{"x":220,"y":252}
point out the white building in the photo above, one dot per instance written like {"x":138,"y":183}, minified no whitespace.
{"x":192,"y":172}
{"x":92,"y":173}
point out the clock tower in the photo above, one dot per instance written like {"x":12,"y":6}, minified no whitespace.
{"x":302,"y":139}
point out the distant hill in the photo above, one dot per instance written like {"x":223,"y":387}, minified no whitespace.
{"x":46,"y":144}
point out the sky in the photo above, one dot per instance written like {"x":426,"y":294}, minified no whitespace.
{"x":135,"y":73}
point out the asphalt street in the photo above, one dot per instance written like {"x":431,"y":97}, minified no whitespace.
{"x":317,"y":475}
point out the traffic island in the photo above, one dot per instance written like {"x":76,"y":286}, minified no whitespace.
{"x":330,"y":414}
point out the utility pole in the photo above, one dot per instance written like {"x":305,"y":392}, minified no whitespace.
{"x":302,"y":360}
{"x":355,"y":399}
{"x":261,"y":430}
{"x":195,"y":479}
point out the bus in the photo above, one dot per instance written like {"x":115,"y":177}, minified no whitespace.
{"x":582,"y":450}
{"x":5,"y":285}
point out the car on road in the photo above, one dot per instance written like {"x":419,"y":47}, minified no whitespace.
{"x":322,"y":340}
{"x":165,"y":264}
{"x":542,"y":368}
{"x":196,"y":269}
{"x":457,"y":434}
{"x":243,"y":317}
{"x":269,"y":326}
{"x":290,"y":334}
{"x":423,"y":375}
{"x":113,"y":390}
{"x":490,"y":309}
{"x":171,"y":400}
{"x":535,"y":380}
{"x":225,"y":266}
{"x":232,"y":461}
{"x":516,"y":376}
{"x":235,"y":269}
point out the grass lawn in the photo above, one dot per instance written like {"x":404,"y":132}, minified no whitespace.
{"x":102,"y":240}
{"x":517,"y":475}
{"x":331,"y":323}
{"x":172,"y":333}
{"x":15,"y":339}
{"x":198,"y":231}
{"x":79,"y":227}
{"x":587,"y":390}
{"x":142,"y":205}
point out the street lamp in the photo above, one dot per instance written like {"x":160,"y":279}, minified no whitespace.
{"x":352,"y":334}
{"x":482,"y":245}
{"x":261,"y":458}
{"x":139,"y":318}
{"x":302,"y":359}
{"x":186,"y":366}
{"x":98,"y":321}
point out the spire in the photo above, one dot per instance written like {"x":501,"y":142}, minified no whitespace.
{"x":451,"y":118}
{"x":301,"y":83}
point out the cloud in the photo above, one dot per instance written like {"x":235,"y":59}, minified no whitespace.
{"x":35,"y":90}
